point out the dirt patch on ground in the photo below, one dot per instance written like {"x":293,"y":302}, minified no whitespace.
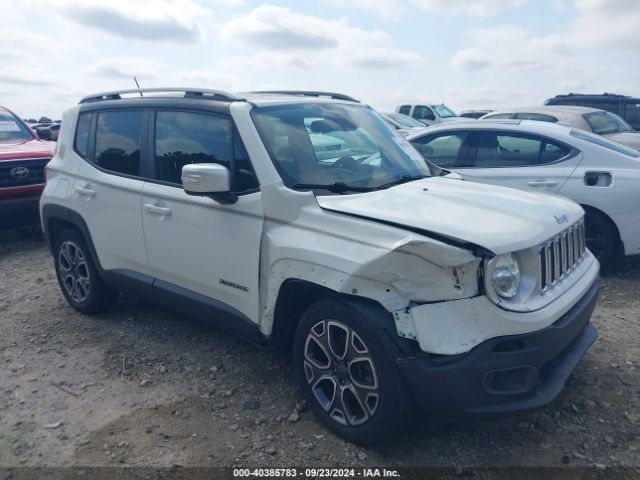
{"x":144,"y":386}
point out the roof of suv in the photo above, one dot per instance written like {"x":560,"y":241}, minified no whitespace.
{"x":217,"y":98}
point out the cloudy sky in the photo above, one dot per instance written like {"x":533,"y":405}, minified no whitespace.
{"x":467,"y":53}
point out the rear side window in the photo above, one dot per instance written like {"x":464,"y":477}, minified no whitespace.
{"x":499,"y":149}
{"x":441,"y":149}
{"x":81,"y":142}
{"x":539,"y":117}
{"x":118,"y":139}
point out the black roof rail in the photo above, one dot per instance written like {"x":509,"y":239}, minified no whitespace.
{"x":188,"y":93}
{"x":310,"y":93}
{"x":605,"y":94}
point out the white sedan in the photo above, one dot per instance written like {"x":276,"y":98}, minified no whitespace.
{"x":601,"y":175}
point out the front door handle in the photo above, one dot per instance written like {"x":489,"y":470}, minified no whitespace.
{"x":542,"y":183}
{"x":154,"y":209}
{"x":86,"y":192}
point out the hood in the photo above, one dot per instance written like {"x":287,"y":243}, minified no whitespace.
{"x":499,"y":219}
{"x":631,"y":139}
{"x":19,"y":149}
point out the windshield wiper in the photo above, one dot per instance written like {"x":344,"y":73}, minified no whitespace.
{"x":337,"y":187}
{"x":401,"y":180}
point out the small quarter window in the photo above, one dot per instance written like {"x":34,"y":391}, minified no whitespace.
{"x":118,"y":139}
{"x":81,"y":143}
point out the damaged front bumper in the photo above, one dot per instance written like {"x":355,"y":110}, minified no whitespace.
{"x":507,"y":374}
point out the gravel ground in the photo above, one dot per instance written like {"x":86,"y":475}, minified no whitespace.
{"x":145,"y":386}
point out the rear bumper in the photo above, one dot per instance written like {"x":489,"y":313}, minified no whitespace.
{"x":19,"y":211}
{"x":504,"y":375}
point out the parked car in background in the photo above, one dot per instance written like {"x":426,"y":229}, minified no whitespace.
{"x":590,"y":119}
{"x":403,"y":123}
{"x":598,"y":173}
{"x":428,"y":113}
{"x":625,"y":106}
{"x":23,"y":157}
{"x":474,"y":113}
{"x":372,"y":269}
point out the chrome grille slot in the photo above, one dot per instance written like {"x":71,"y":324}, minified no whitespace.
{"x":560,"y":255}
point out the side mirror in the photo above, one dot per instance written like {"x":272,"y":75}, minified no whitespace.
{"x":208,"y":179}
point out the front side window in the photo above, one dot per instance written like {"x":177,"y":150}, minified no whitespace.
{"x":118,"y":139}
{"x":13,"y":129}
{"x":443,"y":111}
{"x":604,"y":123}
{"x":500,"y":149}
{"x":335,"y":144}
{"x":538,"y":117}
{"x":405,"y":109}
{"x":182,"y":138}
{"x":441,"y":149}
{"x":422,"y":112}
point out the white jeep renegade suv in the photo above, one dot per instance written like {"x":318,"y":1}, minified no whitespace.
{"x":396,"y":286}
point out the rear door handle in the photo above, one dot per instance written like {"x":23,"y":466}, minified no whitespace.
{"x":86,"y":192}
{"x":542,"y":183}
{"x":154,"y":209}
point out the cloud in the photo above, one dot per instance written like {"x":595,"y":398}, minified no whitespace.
{"x":279,"y":28}
{"x":26,"y":76}
{"x":291,"y":39}
{"x":119,"y":68}
{"x":474,"y":8}
{"x":385,"y":9}
{"x":151,"y":20}
{"x":607,"y":23}
{"x":510,"y":48}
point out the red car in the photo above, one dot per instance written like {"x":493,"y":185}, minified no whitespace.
{"x":23,"y":157}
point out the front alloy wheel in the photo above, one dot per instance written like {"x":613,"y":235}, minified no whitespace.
{"x":345,"y":361}
{"x":341,"y":372}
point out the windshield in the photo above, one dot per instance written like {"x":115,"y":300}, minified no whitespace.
{"x":316,"y":145}
{"x":405,"y":120}
{"x":443,"y":111}
{"x":604,"y":123}
{"x":12,"y":129}
{"x":605,"y":142}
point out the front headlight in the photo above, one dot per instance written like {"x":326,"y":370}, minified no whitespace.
{"x":505,"y":277}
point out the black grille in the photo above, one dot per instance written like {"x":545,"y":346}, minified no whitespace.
{"x":13,"y":174}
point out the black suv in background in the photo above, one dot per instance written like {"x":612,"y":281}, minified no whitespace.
{"x":625,"y":106}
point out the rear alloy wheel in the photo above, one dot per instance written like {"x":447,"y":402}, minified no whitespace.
{"x":77,"y":275}
{"x":345,"y":364}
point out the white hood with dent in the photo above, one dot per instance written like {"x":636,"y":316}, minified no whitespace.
{"x":497,"y":218}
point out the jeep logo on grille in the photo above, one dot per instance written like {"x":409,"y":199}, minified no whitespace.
{"x":19,"y":172}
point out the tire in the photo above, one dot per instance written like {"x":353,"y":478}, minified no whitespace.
{"x":77,"y":275}
{"x":345,"y":366}
{"x":601,"y":238}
